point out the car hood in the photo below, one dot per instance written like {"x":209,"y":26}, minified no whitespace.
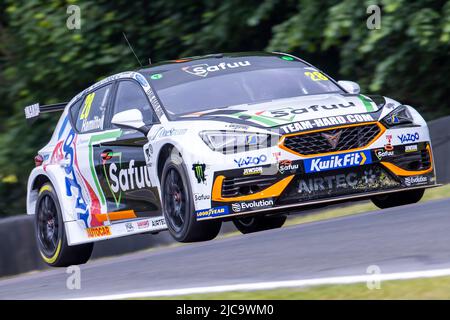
{"x":284,"y":111}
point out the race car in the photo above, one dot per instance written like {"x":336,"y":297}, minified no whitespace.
{"x":186,"y":144}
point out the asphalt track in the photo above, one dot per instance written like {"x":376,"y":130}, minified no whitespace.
{"x":409,"y":238}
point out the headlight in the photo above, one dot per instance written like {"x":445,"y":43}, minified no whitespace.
{"x":400,"y":116}
{"x":233,"y":141}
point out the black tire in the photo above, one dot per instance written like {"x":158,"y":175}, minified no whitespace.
{"x":51,"y":234}
{"x":256,"y":224}
{"x":398,"y":199}
{"x":178,"y":205}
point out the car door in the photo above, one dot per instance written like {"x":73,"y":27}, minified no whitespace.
{"x":123,"y":174}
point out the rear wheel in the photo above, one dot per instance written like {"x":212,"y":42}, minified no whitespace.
{"x":51,"y":234}
{"x":178,"y":205}
{"x":398,"y":199}
{"x":255,"y":224}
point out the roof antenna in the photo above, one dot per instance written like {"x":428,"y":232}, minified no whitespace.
{"x":131,"y":48}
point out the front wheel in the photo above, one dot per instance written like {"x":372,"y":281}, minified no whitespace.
{"x":51,"y":234}
{"x":178,"y":205}
{"x":398,"y":199}
{"x":256,"y":224}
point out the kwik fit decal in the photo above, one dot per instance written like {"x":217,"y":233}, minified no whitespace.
{"x":338,"y":161}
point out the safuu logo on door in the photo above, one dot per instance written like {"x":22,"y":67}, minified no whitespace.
{"x":338,"y":161}
{"x":409,"y":137}
{"x":130,"y":178}
{"x":202,"y":70}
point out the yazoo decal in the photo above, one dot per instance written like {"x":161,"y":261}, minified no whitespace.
{"x":250,"y":160}
{"x":409,"y":137}
{"x":338,"y":161}
{"x":212,"y":212}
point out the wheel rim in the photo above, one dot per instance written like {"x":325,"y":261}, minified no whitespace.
{"x":48,"y":225}
{"x":175,"y":200}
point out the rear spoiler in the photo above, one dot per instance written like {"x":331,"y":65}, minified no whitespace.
{"x":32,"y":112}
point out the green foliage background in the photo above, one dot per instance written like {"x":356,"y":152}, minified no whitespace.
{"x":41,"y":60}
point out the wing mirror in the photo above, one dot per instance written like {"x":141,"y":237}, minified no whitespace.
{"x":350,"y":86}
{"x":130,"y":119}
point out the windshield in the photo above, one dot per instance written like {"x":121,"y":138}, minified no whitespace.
{"x":204,"y":88}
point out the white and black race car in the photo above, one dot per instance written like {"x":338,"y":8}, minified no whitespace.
{"x":186,"y":144}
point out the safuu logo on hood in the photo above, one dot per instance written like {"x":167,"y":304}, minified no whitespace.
{"x":252,"y":205}
{"x":130,"y":178}
{"x":202,"y":70}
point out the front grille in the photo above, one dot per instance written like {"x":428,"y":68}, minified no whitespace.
{"x":316,"y":142}
{"x":241,"y":186}
{"x":414,"y":161}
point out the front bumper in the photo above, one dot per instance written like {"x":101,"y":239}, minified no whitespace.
{"x":274,"y":188}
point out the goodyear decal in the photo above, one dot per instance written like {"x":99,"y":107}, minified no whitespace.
{"x":212,"y":212}
{"x":338,"y":161}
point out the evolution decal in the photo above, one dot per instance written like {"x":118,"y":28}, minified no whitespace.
{"x":320,"y":186}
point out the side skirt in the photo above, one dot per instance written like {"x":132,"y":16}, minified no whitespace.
{"x":78,"y":234}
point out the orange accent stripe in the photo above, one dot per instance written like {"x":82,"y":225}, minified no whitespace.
{"x":273,"y":191}
{"x":282,"y":146}
{"x":116,"y":215}
{"x":402,"y":172}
